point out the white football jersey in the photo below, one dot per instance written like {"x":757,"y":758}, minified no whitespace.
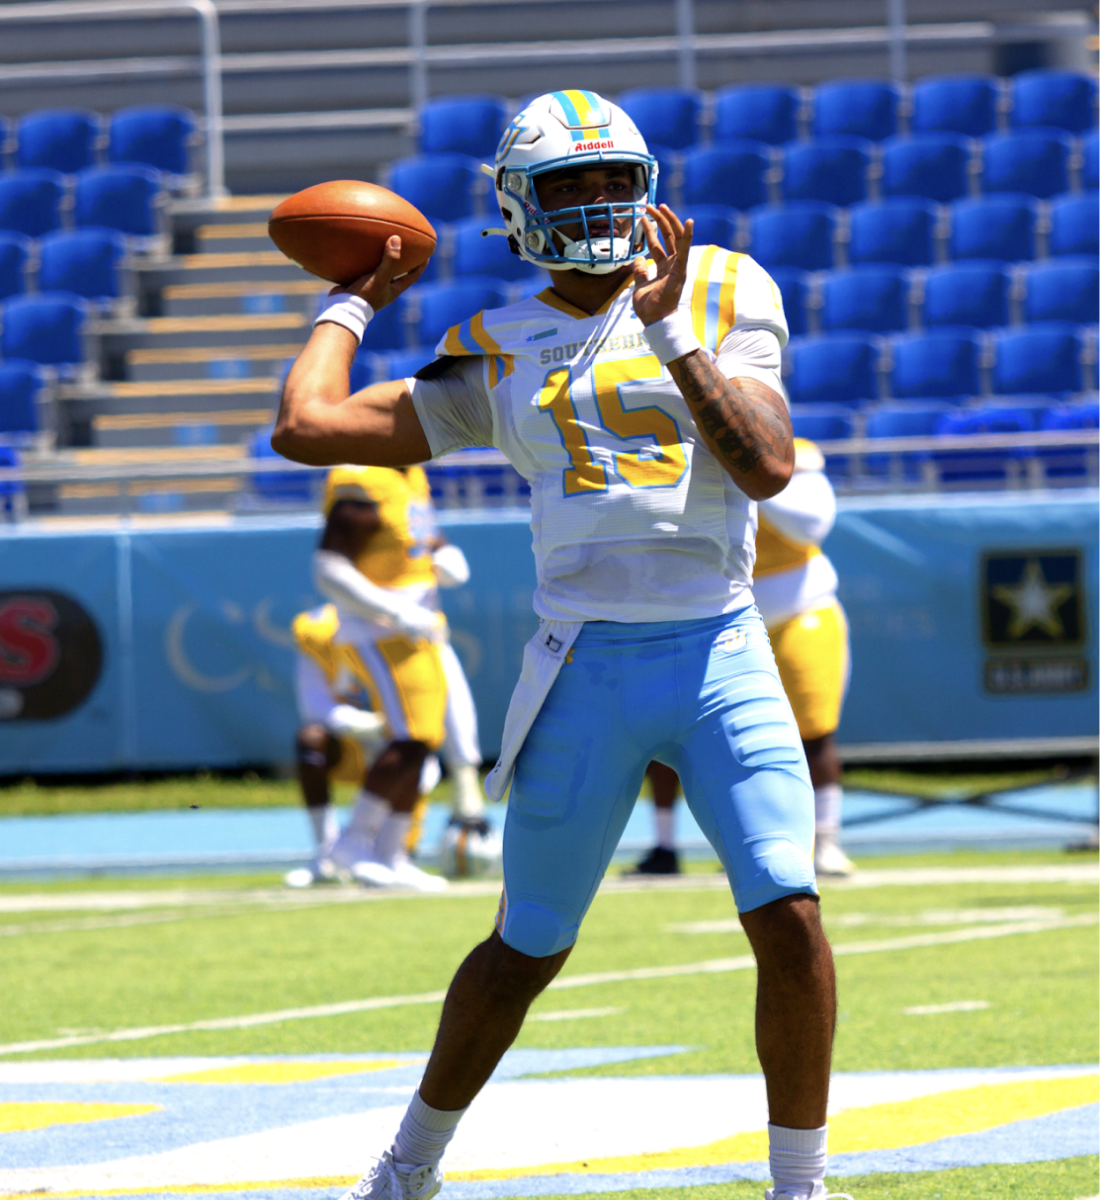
{"x":633,"y":519}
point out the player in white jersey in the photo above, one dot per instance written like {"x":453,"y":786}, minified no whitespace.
{"x":642,"y":402}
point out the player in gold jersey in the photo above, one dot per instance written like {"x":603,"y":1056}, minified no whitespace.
{"x":380,"y":561}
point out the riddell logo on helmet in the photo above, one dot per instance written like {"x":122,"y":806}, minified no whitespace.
{"x":605,"y":145}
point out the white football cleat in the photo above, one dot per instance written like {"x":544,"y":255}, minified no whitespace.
{"x":351,"y":848}
{"x":408,"y":876}
{"x":321,"y":870}
{"x":386,"y":1181}
{"x":830,"y":858}
{"x":373,"y":874}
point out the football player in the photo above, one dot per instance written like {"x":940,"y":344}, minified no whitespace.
{"x":794,"y":588}
{"x":640,"y":396}
{"x":380,"y":561}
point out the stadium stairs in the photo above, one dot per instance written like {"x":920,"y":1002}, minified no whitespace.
{"x":198,"y":372}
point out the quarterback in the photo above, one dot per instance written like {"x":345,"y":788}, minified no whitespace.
{"x":640,"y":397}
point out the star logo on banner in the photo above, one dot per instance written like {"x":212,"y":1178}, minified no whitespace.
{"x":1033,"y":602}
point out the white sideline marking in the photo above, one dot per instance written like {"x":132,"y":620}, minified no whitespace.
{"x":574,"y":1014}
{"x":96,"y":901}
{"x":932,"y":1010}
{"x":714,"y":966}
{"x":938,"y":916}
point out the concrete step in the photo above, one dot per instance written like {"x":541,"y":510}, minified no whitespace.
{"x":208,"y":299}
{"x":238,"y":237}
{"x":209,"y":362}
{"x":201,"y":395}
{"x":119,"y":338}
{"x":170,"y":429}
{"x":153,"y":498}
{"x":262,"y":266}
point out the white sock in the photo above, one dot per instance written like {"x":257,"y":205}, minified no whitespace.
{"x":390,"y":841}
{"x":321,"y":821}
{"x":664,"y":827}
{"x":424,"y":1134}
{"x":368,"y":814}
{"x":467,"y":796}
{"x":798,"y":1159}
{"x":829,"y":808}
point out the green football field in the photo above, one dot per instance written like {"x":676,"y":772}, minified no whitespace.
{"x":951,"y":963}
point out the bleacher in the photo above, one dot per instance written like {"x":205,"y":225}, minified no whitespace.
{"x":936,"y":246}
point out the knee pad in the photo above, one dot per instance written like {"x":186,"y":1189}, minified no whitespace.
{"x":535,"y":928}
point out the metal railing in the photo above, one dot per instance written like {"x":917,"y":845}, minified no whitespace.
{"x":75,"y":10}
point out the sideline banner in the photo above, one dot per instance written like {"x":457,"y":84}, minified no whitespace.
{"x":162,"y":647}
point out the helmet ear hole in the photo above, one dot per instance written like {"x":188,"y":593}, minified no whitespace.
{"x":511,"y":241}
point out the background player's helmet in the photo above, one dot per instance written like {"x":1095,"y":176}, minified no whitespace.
{"x":565,"y":129}
{"x":470,"y":849}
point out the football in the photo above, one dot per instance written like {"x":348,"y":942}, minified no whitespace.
{"x":337,"y":230}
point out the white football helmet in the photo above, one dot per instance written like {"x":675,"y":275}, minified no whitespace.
{"x":470,"y":849}
{"x":564,"y":129}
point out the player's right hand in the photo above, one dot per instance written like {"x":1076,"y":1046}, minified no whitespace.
{"x":380,"y":287}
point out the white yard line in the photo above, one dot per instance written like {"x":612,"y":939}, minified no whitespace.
{"x":955,"y":1006}
{"x":99,"y":901}
{"x":708,"y":967}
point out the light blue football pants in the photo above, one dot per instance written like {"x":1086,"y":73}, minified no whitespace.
{"x":703,"y":697}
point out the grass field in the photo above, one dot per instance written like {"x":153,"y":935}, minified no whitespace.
{"x":84,"y":959}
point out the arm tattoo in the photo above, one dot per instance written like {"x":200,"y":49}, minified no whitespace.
{"x":741,"y":419}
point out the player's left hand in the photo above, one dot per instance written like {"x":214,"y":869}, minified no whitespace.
{"x":654,"y":299}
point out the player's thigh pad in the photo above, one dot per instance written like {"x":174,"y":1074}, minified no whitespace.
{"x":576,"y":779}
{"x":743,"y":767}
{"x":813,"y":658}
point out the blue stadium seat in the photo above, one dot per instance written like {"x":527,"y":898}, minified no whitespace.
{"x":862,"y":108}
{"x":941,"y":363}
{"x":1031,"y":162}
{"x":473,"y":254}
{"x":1040,"y":359}
{"x":970,"y":293}
{"x":436,"y":307}
{"x":82,"y":261}
{"x":1058,"y":99}
{"x":11,"y":493}
{"x":916,"y":418}
{"x":899,"y":231}
{"x":793,"y":286}
{"x":126,"y":197}
{"x":46,"y":328}
{"x":287,"y":487}
{"x":934,"y":166}
{"x":871,"y":297}
{"x":21,"y":383}
{"x":829,"y":169}
{"x":733,"y":175}
{"x":1089,"y":169}
{"x":446,"y":187}
{"x":967,"y":466}
{"x":470,"y":125}
{"x":794,"y":235}
{"x":822,"y":422}
{"x":713,"y":224}
{"x":386,"y":330}
{"x":668,"y":116}
{"x":1071,"y":462}
{"x":993,"y":227}
{"x":401,"y":364}
{"x":1063,"y":289}
{"x":964,"y":104}
{"x":760,"y":112}
{"x":30,"y":201}
{"x":60,"y":139}
{"x":158,"y":136}
{"x":1074,"y":224}
{"x":15,"y":253}
{"x":838,"y":369}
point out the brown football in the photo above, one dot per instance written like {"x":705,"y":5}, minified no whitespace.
{"x":338,"y":230}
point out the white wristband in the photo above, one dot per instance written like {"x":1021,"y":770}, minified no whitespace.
{"x":348,"y":310}
{"x":672,"y":337}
